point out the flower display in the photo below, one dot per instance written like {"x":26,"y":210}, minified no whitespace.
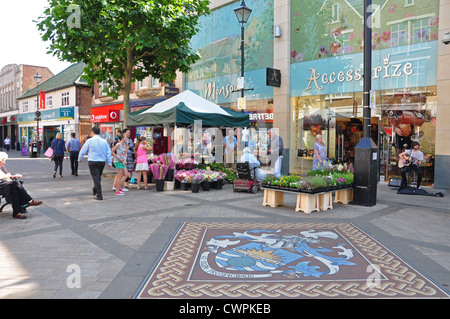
{"x":159,"y":170}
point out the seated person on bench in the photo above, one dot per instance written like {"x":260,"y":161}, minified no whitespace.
{"x":413,"y":158}
{"x":254,"y":163}
{"x":13,"y":190}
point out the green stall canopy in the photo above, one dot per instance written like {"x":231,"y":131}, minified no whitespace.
{"x":185,"y":108}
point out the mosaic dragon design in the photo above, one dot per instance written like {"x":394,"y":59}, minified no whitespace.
{"x":264,"y":253}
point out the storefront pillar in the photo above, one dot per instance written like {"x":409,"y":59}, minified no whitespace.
{"x":442,"y":157}
{"x":281,"y":95}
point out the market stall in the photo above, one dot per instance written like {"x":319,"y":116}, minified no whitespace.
{"x":183,"y":110}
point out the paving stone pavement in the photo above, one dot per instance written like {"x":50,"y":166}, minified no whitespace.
{"x":74,"y":247}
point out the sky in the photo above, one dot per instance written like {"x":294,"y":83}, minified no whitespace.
{"x":20,"y":39}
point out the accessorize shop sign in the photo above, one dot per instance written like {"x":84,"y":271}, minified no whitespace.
{"x":408,"y":66}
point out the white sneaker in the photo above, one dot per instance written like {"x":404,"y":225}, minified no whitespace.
{"x":119,"y":193}
{"x":113,"y":188}
{"x":124,"y":190}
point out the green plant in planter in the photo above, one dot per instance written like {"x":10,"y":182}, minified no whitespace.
{"x":307,"y":184}
{"x":319,"y":182}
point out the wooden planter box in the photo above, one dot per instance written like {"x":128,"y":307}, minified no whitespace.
{"x":307,"y":203}
{"x":344,"y":196}
{"x":273,"y":198}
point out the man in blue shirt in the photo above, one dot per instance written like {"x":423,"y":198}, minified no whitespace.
{"x":98,"y":153}
{"x":73,"y":148}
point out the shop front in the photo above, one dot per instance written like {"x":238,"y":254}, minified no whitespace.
{"x":327,"y":83}
{"x":9,"y":129}
{"x":64,"y":120}
{"x":109,"y":119}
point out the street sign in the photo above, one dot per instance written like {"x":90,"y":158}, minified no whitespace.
{"x":273,"y":77}
{"x":240,"y":82}
{"x":372,"y":99}
{"x":241,"y":103}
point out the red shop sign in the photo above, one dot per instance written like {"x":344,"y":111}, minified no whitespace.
{"x":102,"y":115}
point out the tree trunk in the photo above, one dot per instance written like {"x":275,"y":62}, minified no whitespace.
{"x":127,"y":86}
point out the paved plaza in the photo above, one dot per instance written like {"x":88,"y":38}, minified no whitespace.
{"x":75,"y":247}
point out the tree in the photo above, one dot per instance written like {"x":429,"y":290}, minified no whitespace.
{"x":122,"y":41}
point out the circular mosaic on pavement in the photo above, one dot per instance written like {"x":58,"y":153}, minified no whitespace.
{"x":303,"y":260}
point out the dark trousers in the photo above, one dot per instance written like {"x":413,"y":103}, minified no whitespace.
{"x":19,"y":197}
{"x":59,"y":158}
{"x":407,"y":169}
{"x":74,"y":161}
{"x":96,"y":170}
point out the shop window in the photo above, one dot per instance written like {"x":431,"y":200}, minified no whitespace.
{"x":65,"y":99}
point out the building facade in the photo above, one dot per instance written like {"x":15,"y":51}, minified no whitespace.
{"x":14,"y":81}
{"x":317,"y":47}
{"x":108,"y":113}
{"x":64,"y":100}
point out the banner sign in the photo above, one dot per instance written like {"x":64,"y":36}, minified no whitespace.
{"x":42,"y":100}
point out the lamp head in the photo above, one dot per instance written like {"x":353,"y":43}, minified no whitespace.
{"x":37,"y":78}
{"x":242,"y":12}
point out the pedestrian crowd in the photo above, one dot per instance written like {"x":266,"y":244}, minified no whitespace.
{"x":125,"y":156}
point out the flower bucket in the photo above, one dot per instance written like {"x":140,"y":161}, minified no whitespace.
{"x":206,"y":185}
{"x":170,"y":186}
{"x":219,"y":184}
{"x":195,"y":188}
{"x":184,"y":186}
{"x":159,"y":185}
{"x":170,"y":174}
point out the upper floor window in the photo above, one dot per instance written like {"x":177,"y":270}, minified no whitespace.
{"x":335,"y":12}
{"x":155,"y":82}
{"x":65,"y":99}
{"x":49,"y":101}
{"x":25,"y":107}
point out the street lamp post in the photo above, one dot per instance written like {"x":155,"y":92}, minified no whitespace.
{"x":37,"y":114}
{"x":242,"y":13}
{"x":366,"y":151}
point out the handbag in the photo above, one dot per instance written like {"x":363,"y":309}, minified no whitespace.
{"x":49,"y":152}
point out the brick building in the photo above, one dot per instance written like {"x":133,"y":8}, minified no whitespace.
{"x":14,"y":81}
{"x":68,"y":99}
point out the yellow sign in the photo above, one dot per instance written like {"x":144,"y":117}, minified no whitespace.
{"x":241,"y":103}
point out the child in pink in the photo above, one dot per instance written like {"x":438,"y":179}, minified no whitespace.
{"x":141,"y":160}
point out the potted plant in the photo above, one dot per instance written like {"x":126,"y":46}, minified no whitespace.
{"x":183,"y":176}
{"x":209,"y":177}
{"x":196,"y":179}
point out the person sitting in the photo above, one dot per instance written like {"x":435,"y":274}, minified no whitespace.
{"x":13,"y":191}
{"x":414,"y":158}
{"x":254,"y":163}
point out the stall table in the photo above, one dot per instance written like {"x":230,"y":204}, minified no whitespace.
{"x":308,"y":202}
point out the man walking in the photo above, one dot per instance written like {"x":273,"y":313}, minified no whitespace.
{"x":98,"y":153}
{"x":73,"y":148}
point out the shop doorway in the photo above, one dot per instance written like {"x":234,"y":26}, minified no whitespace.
{"x":49,"y":136}
{"x":349,"y":132}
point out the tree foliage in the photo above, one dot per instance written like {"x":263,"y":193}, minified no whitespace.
{"x":122,"y":41}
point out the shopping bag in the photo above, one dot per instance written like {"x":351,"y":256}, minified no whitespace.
{"x":49,"y":152}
